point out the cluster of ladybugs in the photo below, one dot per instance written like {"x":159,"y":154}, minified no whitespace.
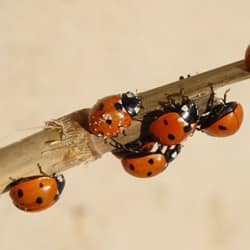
{"x":163,"y":132}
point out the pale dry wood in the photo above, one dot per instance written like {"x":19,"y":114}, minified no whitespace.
{"x":66,"y":142}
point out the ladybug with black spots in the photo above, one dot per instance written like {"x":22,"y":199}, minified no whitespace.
{"x":151,"y":160}
{"x":36,"y":193}
{"x":176,"y":123}
{"x":221,"y":119}
{"x":111,"y":115}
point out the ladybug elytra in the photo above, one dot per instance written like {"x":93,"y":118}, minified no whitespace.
{"x":177,"y":123}
{"x":111,"y":115}
{"x":36,"y":193}
{"x":222,"y":119}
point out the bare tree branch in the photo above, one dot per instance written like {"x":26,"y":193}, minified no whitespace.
{"x":66,"y":142}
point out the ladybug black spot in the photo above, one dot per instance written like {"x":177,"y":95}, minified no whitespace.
{"x":131,"y":166}
{"x":149,"y":173}
{"x":118,"y":106}
{"x":56,"y":197}
{"x":20,"y":193}
{"x":101,"y":106}
{"x":109,"y":121}
{"x":221,"y":127}
{"x":171,"y":137}
{"x":41,"y":185}
{"x":165,"y":122}
{"x":39,"y":200}
{"x":187,"y":128}
{"x":151,"y":161}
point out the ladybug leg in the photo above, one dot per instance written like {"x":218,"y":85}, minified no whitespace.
{"x":184,"y":97}
{"x":225,"y":95}
{"x":170,"y":101}
{"x":140,"y":98}
{"x":116,"y":144}
{"x":181,"y":95}
{"x":122,"y":129}
{"x":119,"y":146}
{"x":40,"y":169}
{"x":210,"y":102}
{"x":181,"y":92}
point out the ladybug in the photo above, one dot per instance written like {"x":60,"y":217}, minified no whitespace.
{"x":36,"y":193}
{"x":247,"y":58}
{"x":146,"y":163}
{"x":110,"y":115}
{"x":222,"y":119}
{"x":175,"y":124}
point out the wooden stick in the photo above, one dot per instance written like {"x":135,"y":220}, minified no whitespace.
{"x":66,"y":142}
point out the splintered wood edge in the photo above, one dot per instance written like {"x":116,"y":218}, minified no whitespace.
{"x":66,"y":142}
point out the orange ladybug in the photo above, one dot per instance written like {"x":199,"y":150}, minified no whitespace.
{"x":223,"y":119}
{"x":111,"y":115}
{"x":149,"y":161}
{"x":247,"y":57}
{"x":176,"y":124}
{"x":36,"y":193}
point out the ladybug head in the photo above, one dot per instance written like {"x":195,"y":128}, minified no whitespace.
{"x":172,"y":152}
{"x":60,"y":183}
{"x":131,"y":102}
{"x":188,"y":111}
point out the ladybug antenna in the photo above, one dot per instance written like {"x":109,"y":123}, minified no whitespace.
{"x":170,"y":100}
{"x":210,"y":102}
{"x":225,"y":95}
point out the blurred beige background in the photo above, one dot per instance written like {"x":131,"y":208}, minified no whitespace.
{"x":59,"y":56}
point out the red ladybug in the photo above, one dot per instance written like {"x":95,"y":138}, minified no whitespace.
{"x":247,"y":58}
{"x":176,"y":124}
{"x":36,"y":193}
{"x":146,"y":163}
{"x":222,"y":119}
{"x":110,"y":115}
